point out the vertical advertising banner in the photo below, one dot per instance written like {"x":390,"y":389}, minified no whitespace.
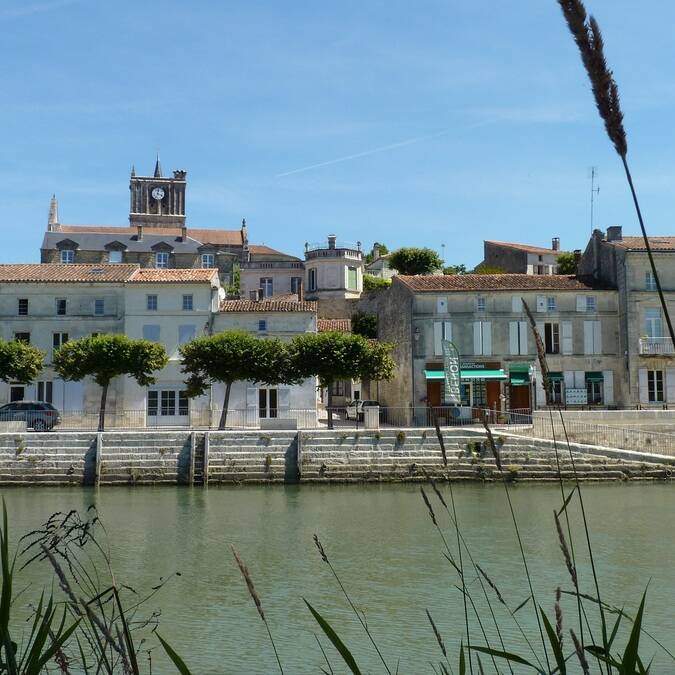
{"x":451,"y":368}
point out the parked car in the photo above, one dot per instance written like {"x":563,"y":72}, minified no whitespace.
{"x":355,"y":409}
{"x":37,"y":415}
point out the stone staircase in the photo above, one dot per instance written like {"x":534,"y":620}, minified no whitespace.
{"x":49,"y":458}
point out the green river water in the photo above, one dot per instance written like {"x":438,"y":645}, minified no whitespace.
{"x":382,"y":542}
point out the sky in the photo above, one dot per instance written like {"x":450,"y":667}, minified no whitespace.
{"x":436,"y":123}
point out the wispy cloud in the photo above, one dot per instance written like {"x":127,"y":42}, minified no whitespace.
{"x":35,"y":8}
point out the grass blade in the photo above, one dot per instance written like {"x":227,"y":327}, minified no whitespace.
{"x":555,"y":643}
{"x":177,"y":661}
{"x":630,"y":654}
{"x":505,"y":655}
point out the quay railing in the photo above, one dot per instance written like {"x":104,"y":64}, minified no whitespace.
{"x":656,"y":346}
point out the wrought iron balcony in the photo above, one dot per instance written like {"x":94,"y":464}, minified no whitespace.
{"x":656,"y":346}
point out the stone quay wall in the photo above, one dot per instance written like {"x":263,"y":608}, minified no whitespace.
{"x":182,"y":457}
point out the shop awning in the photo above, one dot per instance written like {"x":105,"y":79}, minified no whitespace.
{"x":518,"y":379}
{"x":519,"y":368}
{"x":470,"y":374}
{"x":555,"y":376}
{"x":594,"y":376}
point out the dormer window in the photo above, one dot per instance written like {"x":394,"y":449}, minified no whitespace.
{"x":67,"y":256}
{"x":114,"y":256}
{"x":208,"y":260}
{"x":162,"y":260}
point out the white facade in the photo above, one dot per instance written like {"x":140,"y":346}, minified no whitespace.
{"x":334,"y":270}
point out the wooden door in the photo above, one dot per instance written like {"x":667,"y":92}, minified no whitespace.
{"x":519,"y":397}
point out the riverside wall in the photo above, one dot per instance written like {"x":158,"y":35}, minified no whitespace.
{"x":201,"y":458}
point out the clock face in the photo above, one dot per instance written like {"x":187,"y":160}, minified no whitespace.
{"x":158,"y":193}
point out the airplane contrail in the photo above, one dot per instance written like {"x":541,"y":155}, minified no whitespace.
{"x":365,"y":153}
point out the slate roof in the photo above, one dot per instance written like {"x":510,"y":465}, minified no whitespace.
{"x":56,"y":273}
{"x":498,"y":282}
{"x":273,"y":304}
{"x":331,"y":325}
{"x":638,"y":244}
{"x":202,"y":235}
{"x":173,"y":276}
{"x":96,"y":241}
{"x":539,"y":250}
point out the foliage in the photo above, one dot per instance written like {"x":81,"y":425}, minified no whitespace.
{"x":567,"y":263}
{"x":488,"y":269}
{"x":235,"y":287}
{"x":19,"y":361}
{"x":105,"y":357}
{"x":415,"y":261}
{"x":454,"y":269}
{"x":373,"y":283}
{"x":369,"y":257}
{"x":364,"y":324}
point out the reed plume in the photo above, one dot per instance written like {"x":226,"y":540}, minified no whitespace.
{"x":439,"y":639}
{"x":565,"y":551}
{"x":558,"y":617}
{"x":580,"y":654}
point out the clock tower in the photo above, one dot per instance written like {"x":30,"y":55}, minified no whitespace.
{"x":157,"y":201}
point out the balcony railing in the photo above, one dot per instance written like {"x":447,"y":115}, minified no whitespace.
{"x":656,"y":346}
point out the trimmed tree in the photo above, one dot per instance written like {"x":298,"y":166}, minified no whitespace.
{"x":105,"y":357}
{"x":19,"y":361}
{"x":567,"y":263}
{"x":234,"y":356}
{"x":373,"y":283}
{"x":413,"y":261}
{"x":334,"y":356}
{"x":364,"y":324}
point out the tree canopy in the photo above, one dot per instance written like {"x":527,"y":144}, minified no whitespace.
{"x":415,"y":261}
{"x":372,"y":283}
{"x":19,"y":361}
{"x":369,"y":257}
{"x":455,"y":269}
{"x":364,"y":324}
{"x":105,"y":357}
{"x":567,"y":263}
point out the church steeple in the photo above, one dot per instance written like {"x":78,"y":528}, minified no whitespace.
{"x":53,"y":220}
{"x":157,"y":200}
{"x":158,"y":168}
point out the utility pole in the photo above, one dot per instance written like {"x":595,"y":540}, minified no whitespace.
{"x":594,"y":191}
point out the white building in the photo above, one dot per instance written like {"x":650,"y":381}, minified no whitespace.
{"x":333,"y":270}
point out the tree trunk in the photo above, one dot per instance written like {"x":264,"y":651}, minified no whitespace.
{"x":329,"y":401}
{"x":101,"y":410}
{"x":226,"y":402}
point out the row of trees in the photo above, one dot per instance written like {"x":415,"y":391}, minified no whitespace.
{"x":227,"y":358}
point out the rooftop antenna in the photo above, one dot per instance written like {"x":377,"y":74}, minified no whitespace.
{"x":443,"y":253}
{"x":594,"y":192}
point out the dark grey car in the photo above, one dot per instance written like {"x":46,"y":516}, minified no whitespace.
{"x":36,"y":414}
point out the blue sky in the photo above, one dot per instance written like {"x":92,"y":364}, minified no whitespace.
{"x":478,"y":114}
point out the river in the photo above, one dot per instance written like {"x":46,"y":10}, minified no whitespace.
{"x":386,"y":551}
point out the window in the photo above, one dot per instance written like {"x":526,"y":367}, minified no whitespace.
{"x":22,"y":337}
{"x":311,"y":279}
{"x":442,"y":331}
{"x":552,"y":338}
{"x":480,"y":303}
{"x":653,"y":322}
{"x":61,"y":306}
{"x":153,"y":401}
{"x":518,"y":337}
{"x":262,"y":325}
{"x":23,"y":306}
{"x":590,"y":303}
{"x":186,"y":333}
{"x":151,"y":332}
{"x":151,"y":303}
{"x":592,"y":337}
{"x":58,"y":339}
{"x":550,"y":303}
{"x":208,"y":260}
{"x":267,"y":286}
{"x":267,"y":402}
{"x":183,"y":402}
{"x":99,"y":307}
{"x":557,"y":391}
{"x":650,"y":281}
{"x":168,"y":403}
{"x":338,"y":388}
{"x":482,"y":338}
{"x":352,"y":276}
{"x":162,"y":260}
{"x":114,"y":256}
{"x":594,"y":392}
{"x":45,"y":391}
{"x":67,"y":256}
{"x":187,"y":303}
{"x":655,"y":386}
{"x":516,"y":304}
{"x":296,"y":285}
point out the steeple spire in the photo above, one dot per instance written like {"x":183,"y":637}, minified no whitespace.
{"x":53,"y":220}
{"x":133,"y":170}
{"x":158,"y":168}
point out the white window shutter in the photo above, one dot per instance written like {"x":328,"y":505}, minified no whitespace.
{"x":541,"y":303}
{"x":670,"y":385}
{"x":608,"y":386}
{"x":597,"y":337}
{"x":642,"y":385}
{"x":447,"y":330}
{"x":438,"y":338}
{"x":581,"y":303}
{"x":522,"y":330}
{"x":441,"y":305}
{"x":567,"y":342}
{"x":579,"y":379}
{"x":513,"y":337}
{"x":568,"y":376}
{"x":539,"y":391}
{"x":477,"y":342}
{"x":540,"y":329}
{"x":588,"y":337}
{"x":284,"y":398}
{"x":487,"y":338}
{"x":516,"y":304}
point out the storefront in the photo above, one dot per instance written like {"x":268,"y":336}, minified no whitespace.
{"x":520,"y":386}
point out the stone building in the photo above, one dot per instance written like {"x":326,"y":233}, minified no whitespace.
{"x":333,"y":271}
{"x":522,"y":258}
{"x":379,"y":265}
{"x":649,"y":356}
{"x":265,"y":272}
{"x":484,"y":317}
{"x":158,"y":236}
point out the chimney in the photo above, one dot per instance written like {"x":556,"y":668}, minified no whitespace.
{"x":555,"y":243}
{"x":244,"y":233}
{"x":301,"y":291}
{"x":577,"y":257}
{"x":331,"y":240}
{"x":183,"y":232}
{"x":614,"y":233}
{"x":139,"y":232}
{"x":376,"y":251}
{"x":598,"y":236}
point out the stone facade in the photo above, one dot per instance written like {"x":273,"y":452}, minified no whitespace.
{"x":333,"y":271}
{"x":521,"y":258}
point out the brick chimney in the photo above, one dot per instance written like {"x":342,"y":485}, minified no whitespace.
{"x":614,"y":233}
{"x":555,"y":243}
{"x":332,"y":239}
{"x":139,"y":232}
{"x":183,"y":233}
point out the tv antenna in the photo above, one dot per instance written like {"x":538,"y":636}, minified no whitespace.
{"x":595,"y":191}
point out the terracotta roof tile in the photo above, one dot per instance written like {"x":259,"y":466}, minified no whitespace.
{"x":57,"y":273}
{"x":496,"y":282}
{"x":173,"y":276}
{"x":524,"y":247}
{"x":331,"y":325}
{"x":271,"y":305}
{"x":638,"y":244}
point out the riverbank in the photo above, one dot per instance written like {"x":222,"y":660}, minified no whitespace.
{"x":202,"y":458}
